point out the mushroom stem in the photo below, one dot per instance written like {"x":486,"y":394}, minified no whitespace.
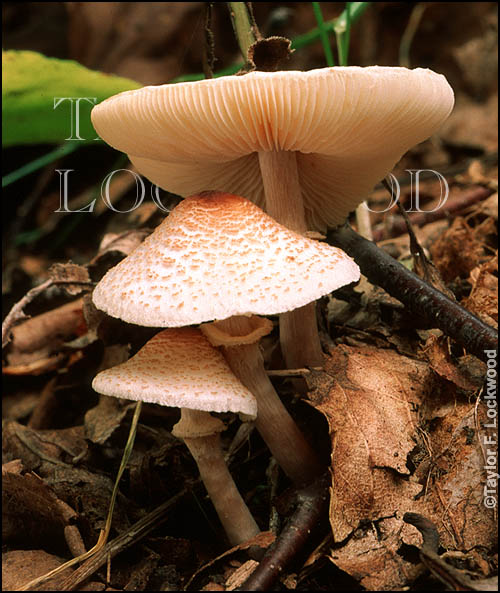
{"x":278,"y":429}
{"x":299,"y":336}
{"x":280,"y":177}
{"x":206,"y":450}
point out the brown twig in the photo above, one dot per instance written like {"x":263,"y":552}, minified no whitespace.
{"x":312,"y":504}
{"x":209,"y":46}
{"x":421,"y":298}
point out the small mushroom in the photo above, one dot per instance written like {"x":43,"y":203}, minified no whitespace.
{"x":179,"y":368}
{"x":306,"y":146}
{"x":217,"y":256}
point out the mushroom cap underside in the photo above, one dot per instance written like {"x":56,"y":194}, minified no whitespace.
{"x":349,"y":127}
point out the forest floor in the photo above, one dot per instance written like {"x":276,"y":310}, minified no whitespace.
{"x":397,"y":414}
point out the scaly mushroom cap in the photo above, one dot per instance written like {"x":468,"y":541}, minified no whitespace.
{"x":217,"y":255}
{"x":349,"y":127}
{"x":178,"y":368}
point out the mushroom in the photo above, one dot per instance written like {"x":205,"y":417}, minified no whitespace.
{"x":217,"y":256}
{"x":179,"y":368}
{"x":306,"y":146}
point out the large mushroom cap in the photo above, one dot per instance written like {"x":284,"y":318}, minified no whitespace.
{"x":217,"y":255}
{"x":348,"y":126}
{"x":178,"y":368}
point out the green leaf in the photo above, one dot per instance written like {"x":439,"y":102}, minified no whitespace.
{"x":31,"y":82}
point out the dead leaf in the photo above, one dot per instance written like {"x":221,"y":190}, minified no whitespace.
{"x":123,"y":243}
{"x":74,"y":279}
{"x":454,"y":476}
{"x":36,"y":367}
{"x":437,"y":353}
{"x":457,"y":251}
{"x":33,"y":447}
{"x":22,"y":566}
{"x":372,"y":556}
{"x":125,"y":38}
{"x":42,"y":335}
{"x":262,"y":540}
{"x":30,"y":512}
{"x":483,"y":299}
{"x":102,"y":420}
{"x":489,"y":207}
{"x":15,"y":466}
{"x":369,"y":398}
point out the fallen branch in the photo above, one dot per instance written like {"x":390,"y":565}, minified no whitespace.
{"x":312,"y":505}
{"x":420,"y":297}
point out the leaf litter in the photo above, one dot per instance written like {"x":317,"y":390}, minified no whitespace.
{"x":399,"y":406}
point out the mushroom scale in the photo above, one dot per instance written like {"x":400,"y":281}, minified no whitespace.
{"x":348,"y":125}
{"x":217,"y":255}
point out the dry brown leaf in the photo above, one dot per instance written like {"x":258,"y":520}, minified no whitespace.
{"x":33,"y":447}
{"x":457,"y":251}
{"x":123,"y":243}
{"x":21,"y":566}
{"x":437,"y":353}
{"x":472,"y":123}
{"x":102,"y":420}
{"x":454,"y":475}
{"x":483,"y":299}
{"x":53,"y":454}
{"x":489,"y":207}
{"x":73,"y":278}
{"x":369,"y":398}
{"x":372,"y":556}
{"x":262,"y":540}
{"x":30,"y":511}
{"x":36,"y":367}
{"x":15,"y":466}
{"x":44,"y":334}
{"x":213,"y":587}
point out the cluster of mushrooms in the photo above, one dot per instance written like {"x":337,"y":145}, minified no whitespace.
{"x":306,"y":147}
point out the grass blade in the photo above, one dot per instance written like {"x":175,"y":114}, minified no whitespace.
{"x":343,"y":33}
{"x":323,"y":34}
{"x":40,"y":162}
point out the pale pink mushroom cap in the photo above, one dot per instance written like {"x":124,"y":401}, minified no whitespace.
{"x":178,"y":368}
{"x":217,"y":255}
{"x":348,"y":126}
